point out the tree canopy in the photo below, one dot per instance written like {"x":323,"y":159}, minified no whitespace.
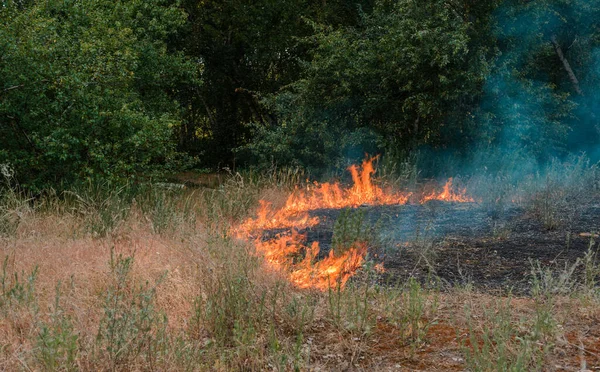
{"x":113,"y":90}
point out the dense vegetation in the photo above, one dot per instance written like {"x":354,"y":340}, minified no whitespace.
{"x":114,"y":90}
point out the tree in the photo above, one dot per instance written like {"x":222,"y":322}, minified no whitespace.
{"x":250,"y":50}
{"x":87,"y":87}
{"x":409,"y":74}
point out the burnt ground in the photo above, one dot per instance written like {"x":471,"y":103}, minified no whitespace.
{"x":462,"y":243}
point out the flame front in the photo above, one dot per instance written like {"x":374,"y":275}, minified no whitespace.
{"x":333,"y":196}
{"x":289,"y":252}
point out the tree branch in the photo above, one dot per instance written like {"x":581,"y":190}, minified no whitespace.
{"x":20,"y":86}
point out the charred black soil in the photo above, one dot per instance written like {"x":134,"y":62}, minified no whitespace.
{"x":493,"y":249}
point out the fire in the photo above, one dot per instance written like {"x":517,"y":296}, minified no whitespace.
{"x":363,"y":192}
{"x":331,"y":271}
{"x":448,"y":194}
{"x":269,"y":218}
{"x":322,"y":196}
{"x":280,"y":252}
{"x":289,"y":253}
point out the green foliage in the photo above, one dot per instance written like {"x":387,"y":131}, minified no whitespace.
{"x":250,"y":50}
{"x":167,"y":209}
{"x":408,"y":73}
{"x":231,"y":312}
{"x":349,"y":308}
{"x":102,"y":207}
{"x":103,"y":90}
{"x":410,"y":307}
{"x":13,"y":205}
{"x":87,"y":88}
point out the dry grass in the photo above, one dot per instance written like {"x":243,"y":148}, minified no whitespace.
{"x":160,"y":285}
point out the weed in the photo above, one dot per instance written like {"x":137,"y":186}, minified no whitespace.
{"x":15,"y":290}
{"x":424,"y":246}
{"x":564,"y":189}
{"x":57,"y":345}
{"x":349,"y":309}
{"x":14,"y":208}
{"x":102,"y":207}
{"x":130,"y":323}
{"x":547,"y":281}
{"x":410,"y":308}
{"x":500,"y":345}
{"x":349,"y":229}
{"x":591,"y":269}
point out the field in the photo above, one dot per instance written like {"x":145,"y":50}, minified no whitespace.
{"x":269,"y":272}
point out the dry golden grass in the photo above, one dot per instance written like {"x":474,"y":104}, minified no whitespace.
{"x":227,"y":311}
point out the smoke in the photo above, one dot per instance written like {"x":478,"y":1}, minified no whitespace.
{"x":585,"y":129}
{"x":531,"y":110}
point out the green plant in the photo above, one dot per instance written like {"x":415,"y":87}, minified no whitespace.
{"x":163,"y":211}
{"x":299,"y":313}
{"x":15,"y":290}
{"x":351,"y":227}
{"x":349,"y":308}
{"x":230,"y":202}
{"x":591,"y":269}
{"x":425,"y":247}
{"x":418,"y":316}
{"x":500,"y":345}
{"x":131,"y":325}
{"x":104,"y":114}
{"x":410,"y":308}
{"x":13,"y":205}
{"x":57,"y":341}
{"x":557,"y":194}
{"x":546,"y":281}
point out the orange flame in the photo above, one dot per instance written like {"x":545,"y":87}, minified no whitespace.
{"x":448,"y":194}
{"x":285,"y":252}
{"x":363,"y":191}
{"x":279,"y":253}
{"x":268,"y":218}
{"x":331,"y":271}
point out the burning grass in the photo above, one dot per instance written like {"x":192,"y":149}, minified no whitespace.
{"x":147,"y":279}
{"x":331,"y":271}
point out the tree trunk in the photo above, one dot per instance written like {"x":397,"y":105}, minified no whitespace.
{"x":566,"y":65}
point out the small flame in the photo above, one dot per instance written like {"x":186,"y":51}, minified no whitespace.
{"x":284,"y":252}
{"x":449,"y":194}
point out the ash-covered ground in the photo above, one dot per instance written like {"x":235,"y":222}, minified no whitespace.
{"x":493,"y":249}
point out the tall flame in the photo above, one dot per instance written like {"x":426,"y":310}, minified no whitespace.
{"x":283,"y":252}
